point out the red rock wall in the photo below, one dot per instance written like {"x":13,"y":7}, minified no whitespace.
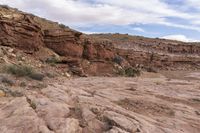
{"x":20,"y":33}
{"x":159,"y":60}
{"x":64,"y":42}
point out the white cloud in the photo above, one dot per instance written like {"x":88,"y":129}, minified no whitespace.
{"x":101,"y":12}
{"x":193,"y":3}
{"x":90,"y":32}
{"x":179,"y":38}
{"x":78,"y":12}
{"x":147,"y":6}
{"x":138,"y":29}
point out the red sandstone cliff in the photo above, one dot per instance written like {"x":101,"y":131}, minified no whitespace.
{"x":94,"y":54}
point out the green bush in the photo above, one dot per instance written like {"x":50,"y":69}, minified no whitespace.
{"x":63,"y":26}
{"x":10,"y":92}
{"x":52,"y":60}
{"x":23,"y":71}
{"x":129,"y":72}
{"x":19,"y":71}
{"x":31,"y":103}
{"x":23,"y":84}
{"x":121,"y":72}
{"x":132,"y":72}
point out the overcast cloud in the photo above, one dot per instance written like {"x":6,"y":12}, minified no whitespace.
{"x":162,"y":17}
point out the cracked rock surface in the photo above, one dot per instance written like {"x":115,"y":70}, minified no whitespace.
{"x":106,"y":105}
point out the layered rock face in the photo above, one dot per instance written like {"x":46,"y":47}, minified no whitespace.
{"x":30,"y":33}
{"x":64,"y":42}
{"x":137,"y":43}
{"x":155,"y":53}
{"x":170,"y":47}
{"x":18,"y":30}
{"x":94,"y":50}
{"x":160,"y":61}
{"x":92,"y":54}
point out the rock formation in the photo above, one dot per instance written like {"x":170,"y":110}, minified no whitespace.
{"x":38,"y":94}
{"x":30,"y":33}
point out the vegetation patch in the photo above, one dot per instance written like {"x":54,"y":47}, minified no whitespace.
{"x":22,"y":84}
{"x":9,"y":92}
{"x":52,"y":60}
{"x":63,"y":26}
{"x":23,"y":71}
{"x":129,"y":72}
{"x":5,"y":6}
{"x":39,"y":86}
{"x":19,"y":71}
{"x":7,"y":81}
{"x":31,"y":103}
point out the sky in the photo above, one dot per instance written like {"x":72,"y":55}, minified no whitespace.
{"x":170,"y":19}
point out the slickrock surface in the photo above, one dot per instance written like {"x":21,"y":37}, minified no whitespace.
{"x":151,"y":103}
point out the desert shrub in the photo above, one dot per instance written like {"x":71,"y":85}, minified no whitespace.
{"x":121,"y":72}
{"x":39,"y":86}
{"x":23,"y":84}
{"x":31,"y":103}
{"x":16,"y":94}
{"x":7,"y":81}
{"x":52,"y":60}
{"x":10,"y":92}
{"x":63,"y":26}
{"x":123,"y":38}
{"x":5,"y":6}
{"x":19,"y":71}
{"x":132,"y":72}
{"x":129,"y":72}
{"x":22,"y":71}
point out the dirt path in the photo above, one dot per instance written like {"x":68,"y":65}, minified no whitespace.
{"x":100,"y":104}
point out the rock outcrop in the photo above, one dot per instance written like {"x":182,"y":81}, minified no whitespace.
{"x":91,"y":54}
{"x":155,"y":53}
{"x":19,"y":30}
{"x":166,"y":101}
{"x":65,"y":42}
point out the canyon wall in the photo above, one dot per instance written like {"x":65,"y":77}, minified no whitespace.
{"x":90,"y":54}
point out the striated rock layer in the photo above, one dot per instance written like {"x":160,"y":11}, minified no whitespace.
{"x":92,"y":54}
